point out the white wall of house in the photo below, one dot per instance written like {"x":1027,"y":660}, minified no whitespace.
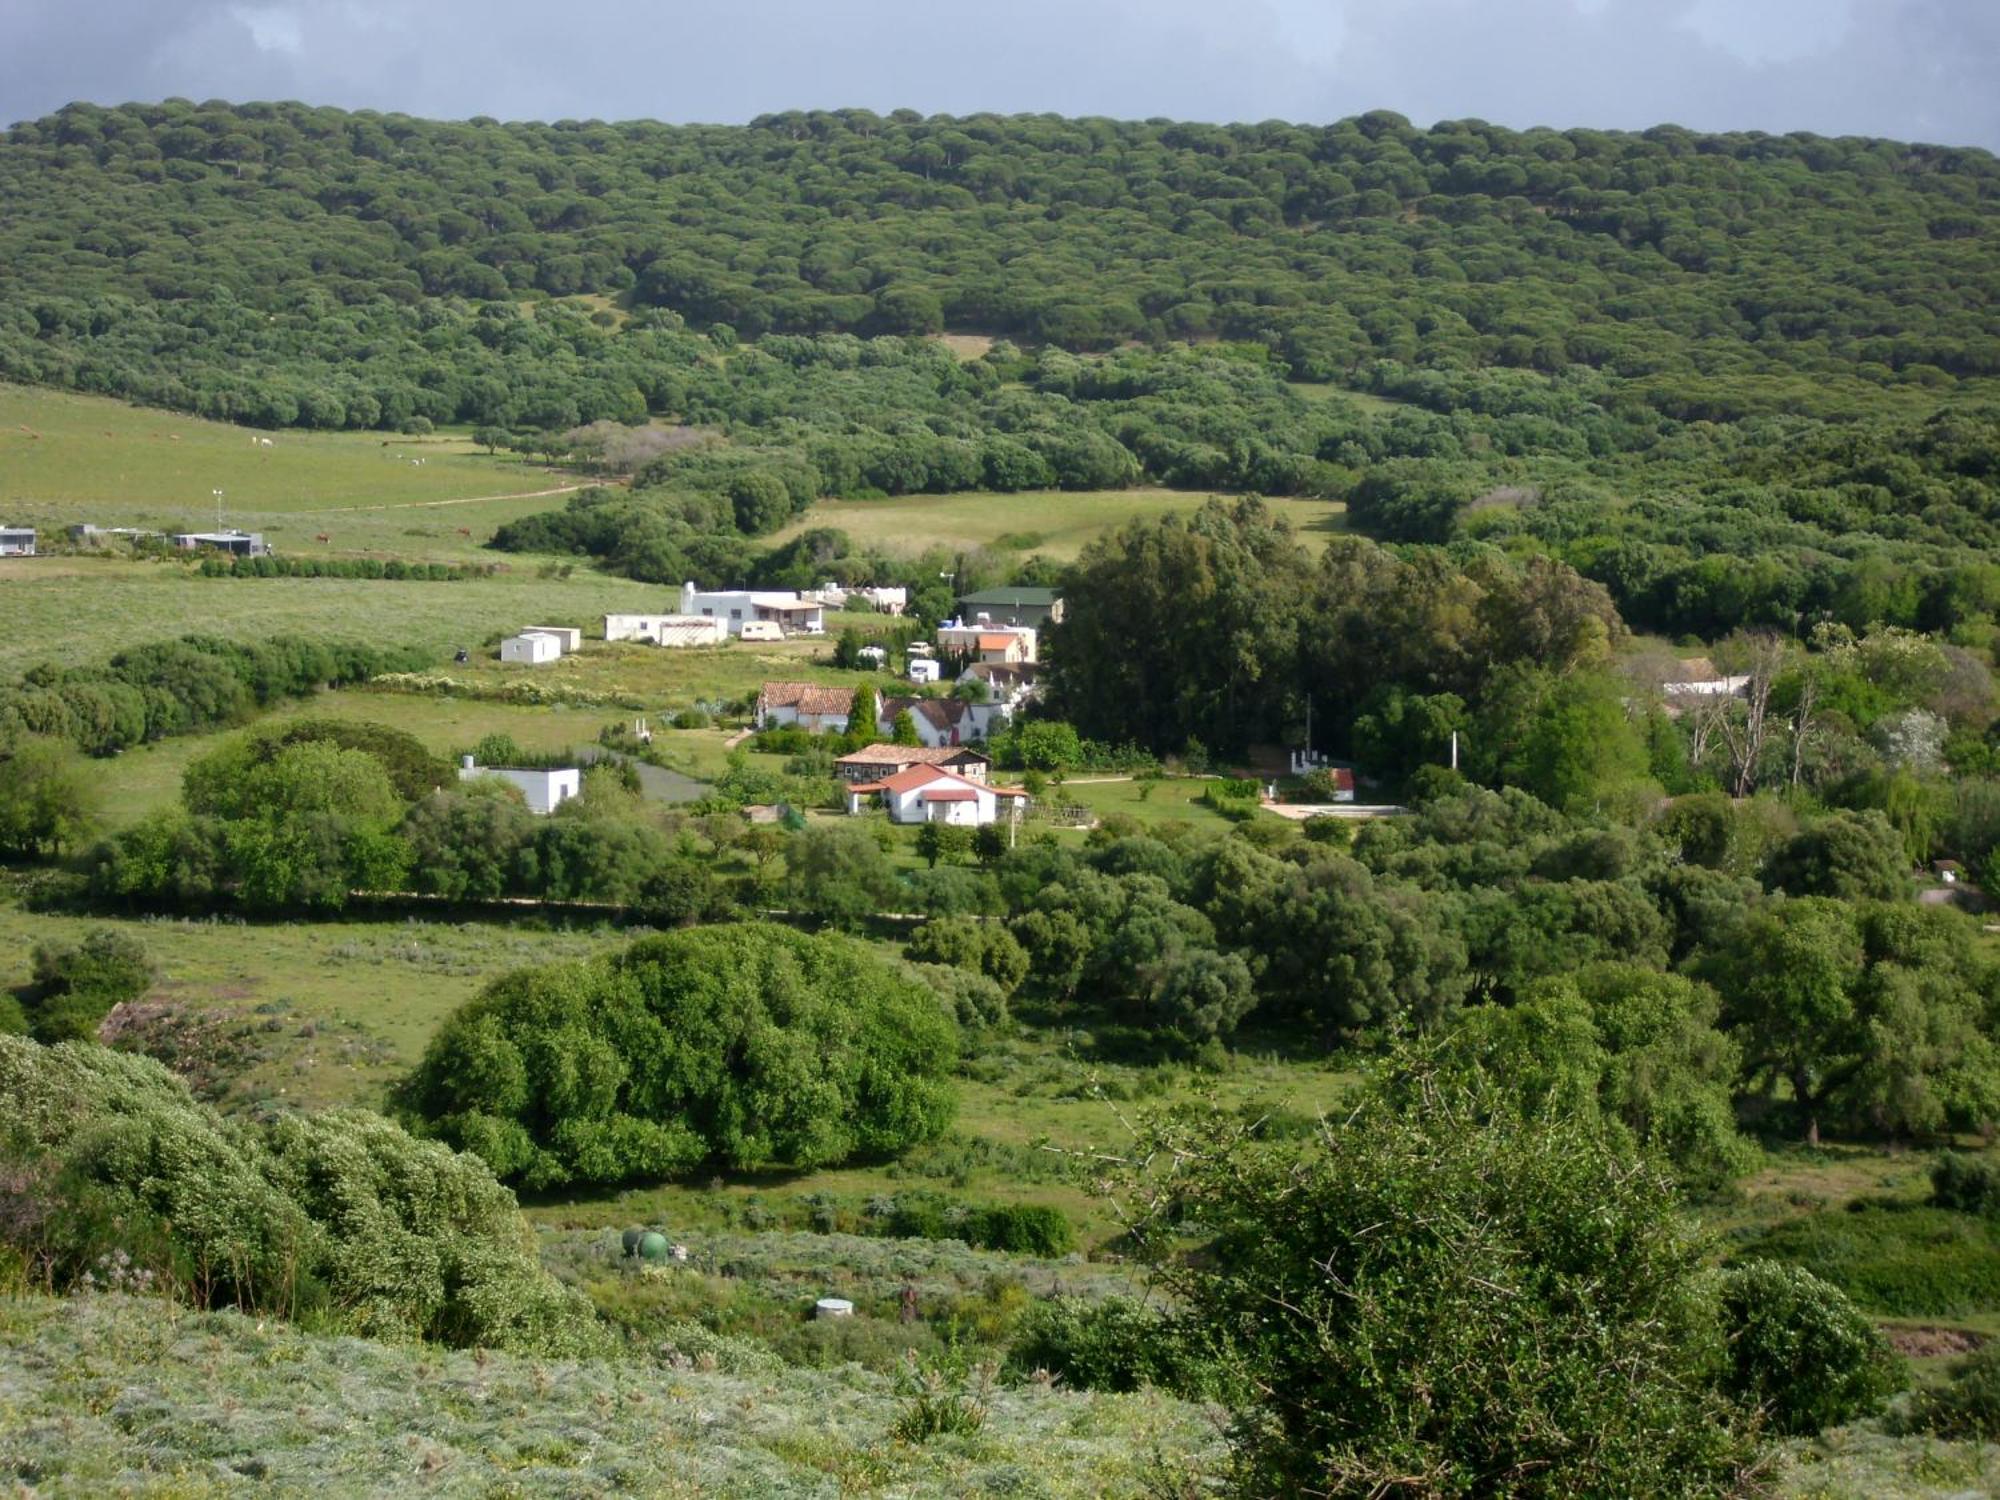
{"x":784,"y":715}
{"x":666,"y":630}
{"x":566,"y":636}
{"x":965,"y":639}
{"x":945,"y":798}
{"x":530,"y":650}
{"x":545,"y":790}
{"x":735,"y":607}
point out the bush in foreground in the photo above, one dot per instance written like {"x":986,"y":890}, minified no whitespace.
{"x":1433,"y":1298}
{"x":749,"y":1045}
{"x":340,"y":1218}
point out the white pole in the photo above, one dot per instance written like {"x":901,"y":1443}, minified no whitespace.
{"x":1454,"y":749}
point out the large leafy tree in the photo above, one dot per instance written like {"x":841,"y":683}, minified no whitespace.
{"x":1876,"y":1017}
{"x":1183,"y":629}
{"x":749,"y":1046}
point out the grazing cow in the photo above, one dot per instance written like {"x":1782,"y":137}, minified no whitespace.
{"x":263,"y":442}
{"x":322,"y":537}
{"x":465,"y":531}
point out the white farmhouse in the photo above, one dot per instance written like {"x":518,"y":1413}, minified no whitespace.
{"x":931,"y":794}
{"x":803,"y":705}
{"x":794,"y":614}
{"x":666,"y":630}
{"x":546,"y":790}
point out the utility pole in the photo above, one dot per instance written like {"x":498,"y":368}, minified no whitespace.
{"x":1454,"y":749}
{"x":218,"y":508}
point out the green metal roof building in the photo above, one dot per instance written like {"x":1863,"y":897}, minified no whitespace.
{"x":1013,"y":606}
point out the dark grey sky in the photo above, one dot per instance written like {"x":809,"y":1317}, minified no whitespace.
{"x":1915,"y":69}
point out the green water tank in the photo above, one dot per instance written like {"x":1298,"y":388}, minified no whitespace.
{"x":652,"y":1246}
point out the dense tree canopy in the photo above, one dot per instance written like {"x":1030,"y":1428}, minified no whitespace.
{"x":749,"y":1046}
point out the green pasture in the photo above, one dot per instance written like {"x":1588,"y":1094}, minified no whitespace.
{"x":67,"y":457}
{"x":1054,"y":523}
{"x":77,"y":610}
{"x":339,"y":1009}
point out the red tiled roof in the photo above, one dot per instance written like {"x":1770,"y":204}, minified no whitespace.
{"x":806,"y":697}
{"x":905,"y":755}
{"x":995,"y":642}
{"x":952,"y":794}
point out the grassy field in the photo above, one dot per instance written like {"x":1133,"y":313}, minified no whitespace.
{"x":338,"y":1009}
{"x":125,"y":1396}
{"x":71,"y":455}
{"x":1053,"y":523}
{"x":1148,"y":802}
{"x":77,"y":610}
{"x":130,"y":1396}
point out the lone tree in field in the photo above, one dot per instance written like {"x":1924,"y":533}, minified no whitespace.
{"x":745,"y":1046}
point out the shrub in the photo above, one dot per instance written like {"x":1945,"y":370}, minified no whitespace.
{"x":1024,"y":1229}
{"x":1970,"y":1184}
{"x":943,"y":1397}
{"x":1967,"y":1406}
{"x":339,"y":1217}
{"x":75,"y":986}
{"x":1429,"y":1299}
{"x":972,"y":998}
{"x":1800,"y":1351}
{"x":749,"y":1045}
{"x":1112,"y":1343}
{"x":963,"y":942}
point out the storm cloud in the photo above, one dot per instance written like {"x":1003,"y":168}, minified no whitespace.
{"x":1912,"y":69}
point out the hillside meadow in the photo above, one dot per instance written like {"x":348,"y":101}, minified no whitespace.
{"x":73,"y":611}
{"x":1056,"y":524}
{"x":68,"y":454}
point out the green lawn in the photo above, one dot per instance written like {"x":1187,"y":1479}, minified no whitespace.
{"x":1149,"y":802}
{"x":1367,"y":403}
{"x":1059,"y":522}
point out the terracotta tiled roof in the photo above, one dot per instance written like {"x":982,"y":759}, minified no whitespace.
{"x":905,"y":755}
{"x":952,"y":794}
{"x":806,"y":697}
{"x":995,"y":642}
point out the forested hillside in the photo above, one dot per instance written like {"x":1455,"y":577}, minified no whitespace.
{"x":284,"y":264}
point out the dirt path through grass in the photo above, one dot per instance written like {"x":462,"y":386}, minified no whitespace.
{"x":345,"y":510}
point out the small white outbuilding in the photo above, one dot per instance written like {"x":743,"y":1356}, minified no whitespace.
{"x":568,"y":637}
{"x":530,"y":650}
{"x":545,"y":789}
